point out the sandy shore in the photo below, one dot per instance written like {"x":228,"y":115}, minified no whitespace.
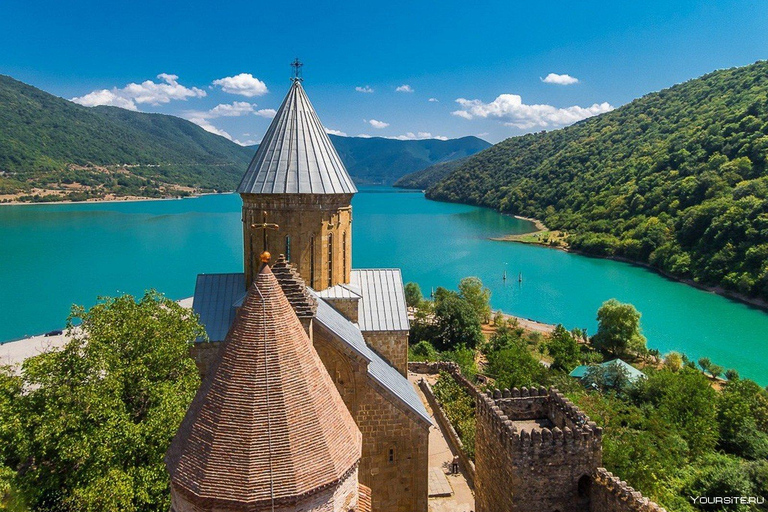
{"x":15,"y":352}
{"x":126,"y":199}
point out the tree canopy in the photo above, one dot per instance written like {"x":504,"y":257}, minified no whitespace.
{"x":676,"y":179}
{"x":618,"y":330}
{"x":86,"y":427}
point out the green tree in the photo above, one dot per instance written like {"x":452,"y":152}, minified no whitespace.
{"x":99,"y":414}
{"x":742,"y":416}
{"x":513,"y":365}
{"x":716,"y":370}
{"x":413,"y":296}
{"x":563,"y":349}
{"x":478,"y":296}
{"x":456,"y":321}
{"x":424,"y":351}
{"x":618,"y":330}
{"x":460,"y":409}
{"x":673,"y":362}
{"x":685,"y":400}
{"x":610,"y":377}
{"x":705,"y":363}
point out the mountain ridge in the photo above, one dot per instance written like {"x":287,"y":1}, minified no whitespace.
{"x":675,"y":179}
{"x":52,"y":149}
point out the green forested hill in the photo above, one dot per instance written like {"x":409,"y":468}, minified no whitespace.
{"x":377,"y":160}
{"x":48,"y":142}
{"x":676,"y":179}
{"x":429,"y":176}
{"x":53,"y":149}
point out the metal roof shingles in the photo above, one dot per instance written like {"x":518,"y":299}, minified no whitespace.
{"x":215,"y":294}
{"x":296,"y":155}
{"x":383,"y":305}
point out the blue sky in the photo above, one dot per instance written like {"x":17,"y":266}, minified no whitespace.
{"x":492,"y":55}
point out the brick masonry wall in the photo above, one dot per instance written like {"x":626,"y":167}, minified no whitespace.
{"x":610,"y":494}
{"x":204,"y":354}
{"x":392,"y":346}
{"x":538,"y":470}
{"x":350,"y":308}
{"x":301,"y":216}
{"x":341,"y":497}
{"x":399,"y":484}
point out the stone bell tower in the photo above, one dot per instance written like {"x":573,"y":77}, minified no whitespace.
{"x":296,"y":197}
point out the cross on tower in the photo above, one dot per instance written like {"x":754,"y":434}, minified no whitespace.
{"x":296,"y":65}
{"x":264,"y":226}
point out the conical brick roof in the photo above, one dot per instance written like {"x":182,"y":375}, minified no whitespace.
{"x":267,"y":423}
{"x":296,"y":155}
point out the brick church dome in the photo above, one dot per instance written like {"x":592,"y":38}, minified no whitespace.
{"x":267,"y":425}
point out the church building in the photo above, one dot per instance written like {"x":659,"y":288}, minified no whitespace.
{"x":297,"y":229}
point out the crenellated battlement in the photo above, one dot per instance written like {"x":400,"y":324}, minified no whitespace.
{"x":569,"y":425}
{"x":540,"y":445}
{"x":609,"y":494}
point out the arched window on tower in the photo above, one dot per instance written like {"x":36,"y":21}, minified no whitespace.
{"x":344,"y":255}
{"x":288,"y":247}
{"x":330,"y":259}
{"x":312,"y":262}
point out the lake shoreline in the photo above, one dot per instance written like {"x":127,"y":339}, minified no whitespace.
{"x":124,"y":199}
{"x":540,"y":227}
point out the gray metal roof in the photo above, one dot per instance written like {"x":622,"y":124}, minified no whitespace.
{"x":341,"y":291}
{"x":296,"y":155}
{"x":381,"y":372}
{"x":215,"y":299}
{"x":383,"y":305}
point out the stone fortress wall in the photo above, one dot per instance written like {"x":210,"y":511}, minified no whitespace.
{"x":537,"y":451}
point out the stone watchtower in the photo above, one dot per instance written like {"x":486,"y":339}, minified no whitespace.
{"x":535,"y":451}
{"x":296,"y":197}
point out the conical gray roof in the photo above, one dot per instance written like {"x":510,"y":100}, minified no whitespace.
{"x":296,"y":156}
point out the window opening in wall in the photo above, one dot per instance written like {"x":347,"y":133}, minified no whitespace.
{"x":330,"y":259}
{"x":288,"y":247}
{"x":312,"y":262}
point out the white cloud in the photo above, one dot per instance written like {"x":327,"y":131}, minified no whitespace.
{"x":365,"y":89}
{"x":234,"y":109}
{"x":510,"y":108}
{"x":434,"y":100}
{"x":554,"y":78}
{"x":377,"y":124}
{"x":248,"y":142}
{"x":153,"y":93}
{"x":404,"y":88}
{"x":335,"y":132}
{"x":105,"y":97}
{"x":269,"y":113}
{"x":364,"y":136}
{"x":244,"y":84}
{"x":418,"y":136}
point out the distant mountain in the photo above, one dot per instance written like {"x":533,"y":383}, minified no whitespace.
{"x":377,"y":160}
{"x":53,"y":149}
{"x":425,"y":178}
{"x":48,"y":143}
{"x":677,"y":179}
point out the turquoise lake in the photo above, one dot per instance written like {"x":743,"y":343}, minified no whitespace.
{"x":52,"y":256}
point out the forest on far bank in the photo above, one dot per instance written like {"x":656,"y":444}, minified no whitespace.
{"x":676,"y":179}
